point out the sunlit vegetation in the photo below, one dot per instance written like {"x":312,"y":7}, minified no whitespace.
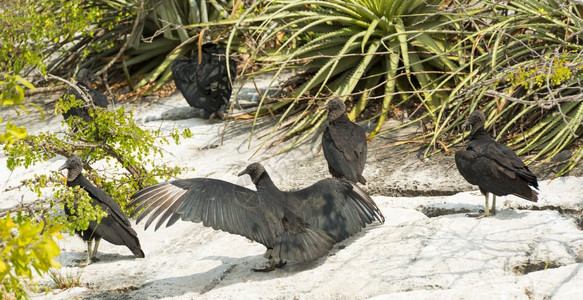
{"x":429,"y":61}
{"x":436,"y":61}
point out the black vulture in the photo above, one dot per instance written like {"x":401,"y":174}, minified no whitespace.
{"x":114,"y":228}
{"x":84,"y":79}
{"x":493,"y":167}
{"x":344,"y":144}
{"x":205,"y":83}
{"x":298,"y":226}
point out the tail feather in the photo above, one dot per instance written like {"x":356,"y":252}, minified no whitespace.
{"x":361,"y":179}
{"x":138,"y":252}
{"x":133,"y":243}
{"x":309,"y":245}
{"x":532,"y":195}
{"x":528,"y":177}
{"x":118,"y":234}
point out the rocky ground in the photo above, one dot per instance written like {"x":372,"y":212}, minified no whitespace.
{"x":427,"y":249}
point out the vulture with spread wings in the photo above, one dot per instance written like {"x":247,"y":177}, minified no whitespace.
{"x":298,"y":226}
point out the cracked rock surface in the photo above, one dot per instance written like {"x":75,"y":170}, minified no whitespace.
{"x":427,"y":249}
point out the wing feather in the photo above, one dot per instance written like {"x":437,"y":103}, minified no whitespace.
{"x":217,"y":204}
{"x":338,"y":207}
{"x":345,"y":149}
{"x":171,"y":211}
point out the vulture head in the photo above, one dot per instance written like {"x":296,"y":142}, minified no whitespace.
{"x":255,"y":170}
{"x":74,"y":166}
{"x":336,"y":108}
{"x":476,"y":120}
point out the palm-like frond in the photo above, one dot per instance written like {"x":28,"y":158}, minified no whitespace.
{"x":347,"y":41}
{"x":143,"y":37}
{"x":519,"y":60}
{"x":528,"y":55}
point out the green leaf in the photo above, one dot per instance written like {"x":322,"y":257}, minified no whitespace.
{"x":368,"y":33}
{"x":24,"y":82}
{"x":352,"y":79}
{"x":392,"y":63}
{"x":402,"y":36}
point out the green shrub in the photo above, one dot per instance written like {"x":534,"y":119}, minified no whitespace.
{"x":27,"y":246}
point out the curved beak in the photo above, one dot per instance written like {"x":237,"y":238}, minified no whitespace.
{"x":64,"y":166}
{"x":243,"y":173}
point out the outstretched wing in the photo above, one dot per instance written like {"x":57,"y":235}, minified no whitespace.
{"x":337,"y":207}
{"x":215,"y":203}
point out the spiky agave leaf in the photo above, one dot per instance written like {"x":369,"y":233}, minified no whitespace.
{"x":155,"y":31}
{"x":529,"y":57}
{"x":358,"y":48}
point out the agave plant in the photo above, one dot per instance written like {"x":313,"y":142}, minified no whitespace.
{"x":529,"y":55}
{"x":140,"y":38}
{"x":520,"y":61}
{"x":368,"y":50}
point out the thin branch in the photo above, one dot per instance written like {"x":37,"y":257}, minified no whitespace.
{"x":84,"y":94}
{"x":44,"y":90}
{"x":33,"y":208}
{"x":494,"y":93}
{"x":131,"y":37}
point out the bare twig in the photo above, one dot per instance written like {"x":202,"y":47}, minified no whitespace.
{"x":84,"y":94}
{"x":44,"y":90}
{"x":33,"y":207}
{"x":131,"y":37}
{"x":494,"y":93}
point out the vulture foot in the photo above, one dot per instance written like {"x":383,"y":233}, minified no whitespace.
{"x":272,"y":266}
{"x":481,"y":214}
{"x":86,"y":262}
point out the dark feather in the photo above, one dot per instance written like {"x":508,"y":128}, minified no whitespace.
{"x":344,"y":144}
{"x":209,"y":201}
{"x":336,"y":207}
{"x":298,"y":226}
{"x":205,"y":85}
{"x":494,"y":167}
